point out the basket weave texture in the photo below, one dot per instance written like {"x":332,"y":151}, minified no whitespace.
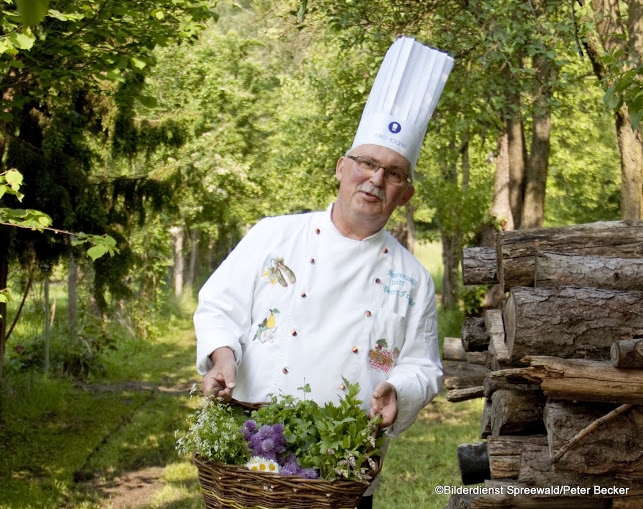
{"x":237,"y":487}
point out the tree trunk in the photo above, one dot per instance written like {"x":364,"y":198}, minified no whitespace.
{"x":559,"y":269}
{"x":179,"y":261}
{"x":497,"y":344}
{"x":451,"y":244}
{"x":479,"y":266}
{"x":583,"y":380}
{"x":516,"y":250}
{"x":4,"y":276}
{"x":615,"y":35}
{"x":630,"y":145}
{"x":627,"y":503}
{"x":410,"y":227}
{"x":473,"y":462}
{"x":517,"y":413}
{"x":504,"y":380}
{"x":475,"y":337}
{"x":615,"y":446}
{"x":457,"y":395}
{"x":475,"y":379}
{"x":533,"y":211}
{"x":504,"y":453}
{"x":485,"y":422}
{"x":72,"y":300}
{"x":569,"y":322}
{"x":453,"y":350}
{"x":512,"y":501}
{"x":501,"y":203}
{"x":194,"y":258}
{"x":627,"y":353}
{"x":535,"y":470}
{"x":516,"y":152}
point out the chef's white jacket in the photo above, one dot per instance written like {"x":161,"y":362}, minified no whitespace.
{"x":299,"y":303}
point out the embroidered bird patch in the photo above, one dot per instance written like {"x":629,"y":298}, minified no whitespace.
{"x":267,"y":328}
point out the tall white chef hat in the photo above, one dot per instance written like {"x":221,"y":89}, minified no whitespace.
{"x":406,"y":90}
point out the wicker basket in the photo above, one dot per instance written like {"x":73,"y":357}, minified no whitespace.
{"x":237,"y":487}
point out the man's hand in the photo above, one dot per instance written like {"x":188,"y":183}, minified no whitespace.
{"x":220,"y":380}
{"x":384,"y":402}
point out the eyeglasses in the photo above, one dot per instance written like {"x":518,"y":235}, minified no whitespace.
{"x":392,"y":175}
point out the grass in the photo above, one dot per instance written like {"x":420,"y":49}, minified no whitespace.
{"x":55,"y":436}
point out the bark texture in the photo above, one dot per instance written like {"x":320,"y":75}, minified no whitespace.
{"x":557,"y":269}
{"x":614,"y":447}
{"x":569,"y":322}
{"x":583,"y":380}
{"x":516,"y":250}
{"x":479,"y":266}
{"x":516,"y":413}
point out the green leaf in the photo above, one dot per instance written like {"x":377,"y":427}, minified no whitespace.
{"x":138,"y":63}
{"x":14,"y":179}
{"x":22,"y":41}
{"x":32,"y":12}
{"x":96,"y":252}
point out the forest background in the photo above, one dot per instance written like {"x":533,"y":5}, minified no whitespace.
{"x":158,"y":132}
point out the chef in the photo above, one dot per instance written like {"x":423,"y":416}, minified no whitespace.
{"x":320,"y":297}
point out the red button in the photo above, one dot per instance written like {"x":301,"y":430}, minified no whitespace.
{"x":312,"y":260}
{"x":378,"y":280}
{"x":355,"y":349}
{"x":385,"y":250}
{"x":294,"y":333}
{"x":368,"y":314}
{"x":303,"y":294}
{"x":317,"y":231}
{"x":285,"y":371}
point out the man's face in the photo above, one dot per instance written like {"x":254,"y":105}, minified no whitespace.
{"x":372,"y":196}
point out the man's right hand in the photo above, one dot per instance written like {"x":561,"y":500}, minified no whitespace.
{"x":220,"y":380}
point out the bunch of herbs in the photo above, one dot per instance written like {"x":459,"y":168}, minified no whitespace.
{"x":214,"y":433}
{"x":338,"y":440}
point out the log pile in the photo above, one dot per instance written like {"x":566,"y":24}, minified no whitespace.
{"x":563,"y":370}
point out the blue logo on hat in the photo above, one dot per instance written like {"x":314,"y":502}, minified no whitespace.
{"x":394,"y":127}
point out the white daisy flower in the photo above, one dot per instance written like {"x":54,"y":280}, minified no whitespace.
{"x":260,"y":464}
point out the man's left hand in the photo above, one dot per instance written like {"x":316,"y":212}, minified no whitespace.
{"x":384,"y":403}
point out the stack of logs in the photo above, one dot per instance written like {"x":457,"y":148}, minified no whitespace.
{"x":562,"y":363}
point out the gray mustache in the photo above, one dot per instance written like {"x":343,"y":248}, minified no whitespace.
{"x":369,"y":188}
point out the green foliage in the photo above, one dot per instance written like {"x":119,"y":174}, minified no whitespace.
{"x":584,"y":180}
{"x":472,"y":299}
{"x":335,"y":439}
{"x":623,"y":85}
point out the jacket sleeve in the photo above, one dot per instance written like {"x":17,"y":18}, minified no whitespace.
{"x":417,"y":375}
{"x":223,"y":314}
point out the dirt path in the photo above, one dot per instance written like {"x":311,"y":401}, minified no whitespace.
{"x":134,"y":489}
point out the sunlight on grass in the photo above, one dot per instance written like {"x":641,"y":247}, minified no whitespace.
{"x":425,"y":455}
{"x":180,"y":488}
